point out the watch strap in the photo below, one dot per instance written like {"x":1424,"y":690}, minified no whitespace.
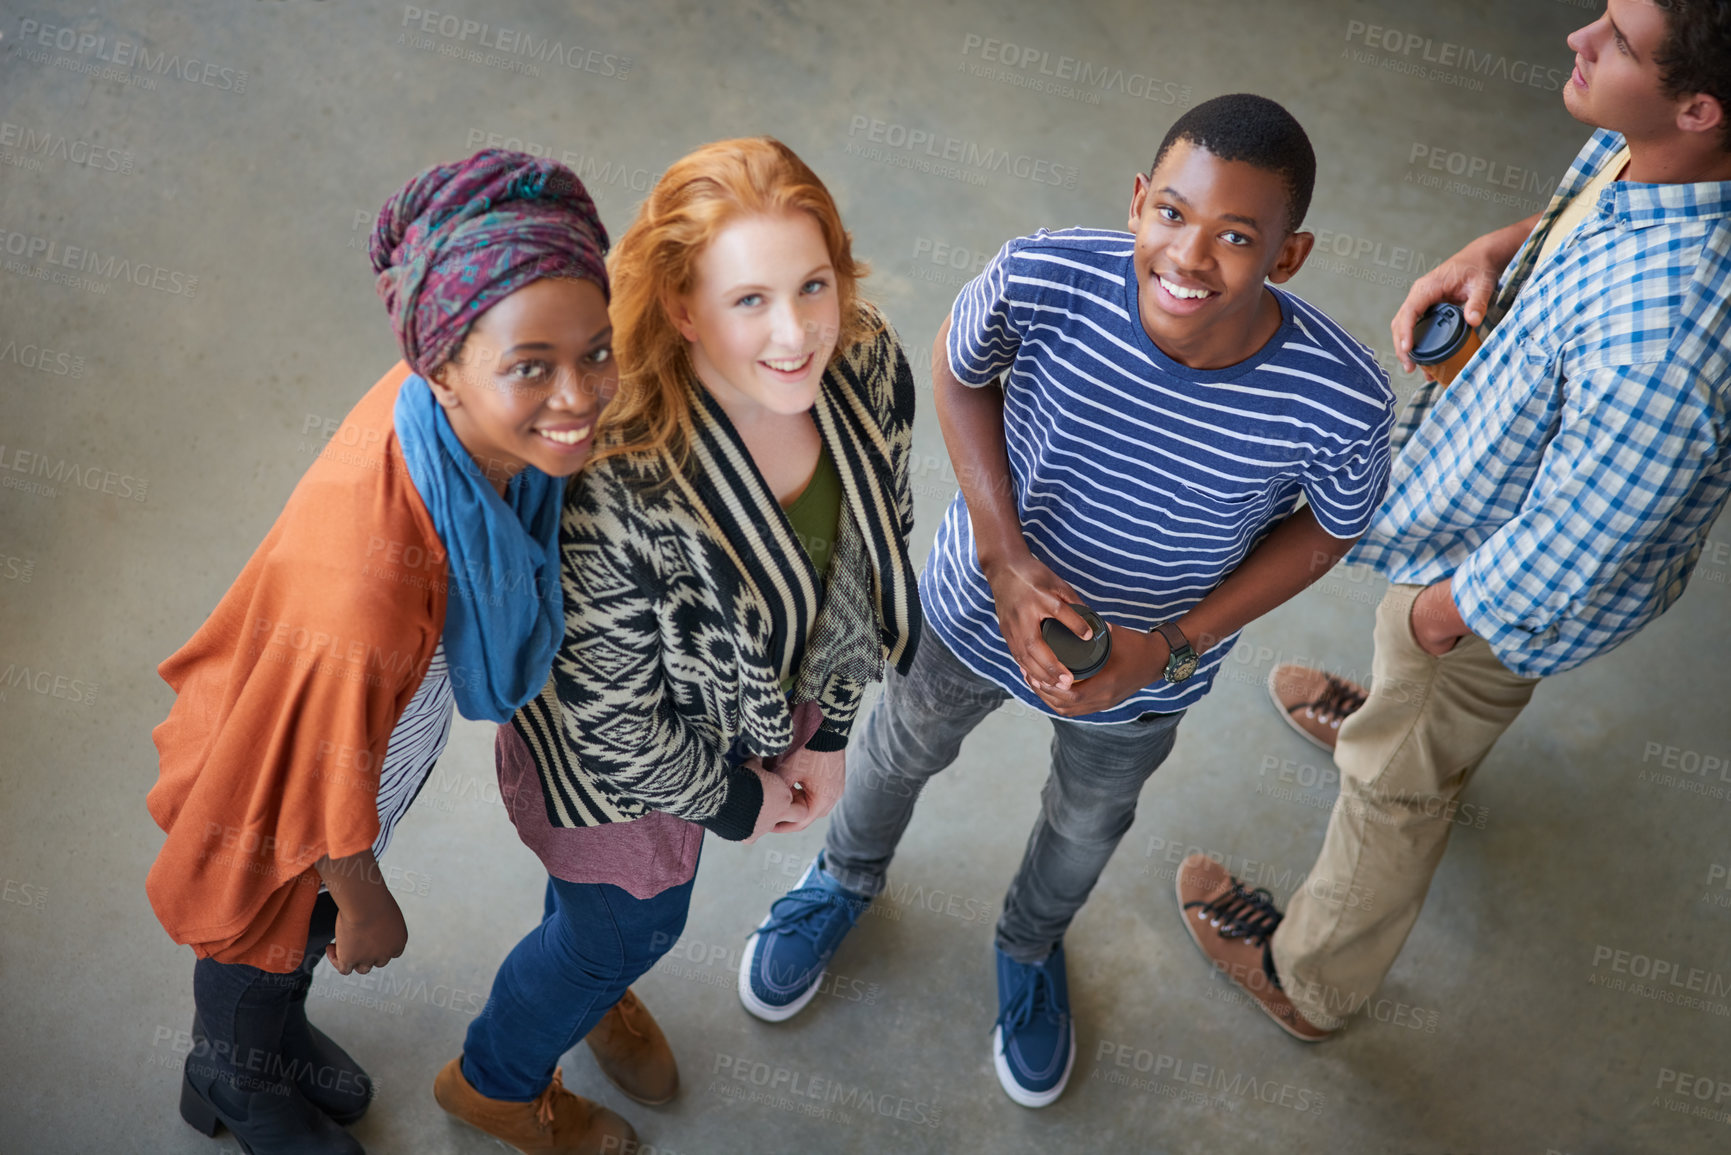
{"x":1181,"y":659}
{"x":1174,"y":636}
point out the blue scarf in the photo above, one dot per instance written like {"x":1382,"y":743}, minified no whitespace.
{"x":504,"y":617}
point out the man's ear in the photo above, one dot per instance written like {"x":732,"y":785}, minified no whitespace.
{"x":1138,"y":194}
{"x":1702,"y":112}
{"x":1294,"y":251}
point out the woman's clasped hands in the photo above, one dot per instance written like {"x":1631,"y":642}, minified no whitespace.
{"x":804,"y":786}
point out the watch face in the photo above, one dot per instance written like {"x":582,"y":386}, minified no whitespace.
{"x":1182,"y":669}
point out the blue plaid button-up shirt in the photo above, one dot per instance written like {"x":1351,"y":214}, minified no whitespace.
{"x":1568,"y":479}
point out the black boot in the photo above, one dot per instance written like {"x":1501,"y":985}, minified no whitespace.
{"x":322,"y":1071}
{"x":276,"y":1120}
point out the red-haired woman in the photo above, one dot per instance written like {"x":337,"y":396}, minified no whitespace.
{"x":735,"y":570}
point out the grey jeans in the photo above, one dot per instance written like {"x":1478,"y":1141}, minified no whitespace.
{"x":1088,"y":803}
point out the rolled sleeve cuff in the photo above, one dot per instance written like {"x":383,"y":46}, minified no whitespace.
{"x":1527,"y":646}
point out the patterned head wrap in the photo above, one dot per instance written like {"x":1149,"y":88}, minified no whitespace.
{"x":459,"y":238}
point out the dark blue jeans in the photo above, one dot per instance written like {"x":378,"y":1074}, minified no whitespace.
{"x":594,"y":941}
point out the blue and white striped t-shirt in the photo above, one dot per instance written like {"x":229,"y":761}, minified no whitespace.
{"x":1139,"y":481}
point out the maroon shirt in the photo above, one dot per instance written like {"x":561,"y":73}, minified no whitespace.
{"x":643,"y":857}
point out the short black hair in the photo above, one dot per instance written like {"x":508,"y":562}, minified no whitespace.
{"x":1696,"y":52}
{"x":1256,"y":130}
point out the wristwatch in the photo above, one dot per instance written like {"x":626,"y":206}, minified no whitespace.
{"x":1182,"y":661}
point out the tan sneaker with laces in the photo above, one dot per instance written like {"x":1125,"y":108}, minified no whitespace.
{"x":633,"y":1053}
{"x":555,"y":1121}
{"x":1232,"y":926}
{"x":1314,"y":702}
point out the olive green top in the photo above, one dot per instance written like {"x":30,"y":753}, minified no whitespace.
{"x":816,"y":513}
{"x":816,"y":518}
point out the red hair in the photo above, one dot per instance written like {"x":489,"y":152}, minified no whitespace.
{"x":656,"y":261}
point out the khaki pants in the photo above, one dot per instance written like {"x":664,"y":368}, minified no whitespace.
{"x":1404,"y":758}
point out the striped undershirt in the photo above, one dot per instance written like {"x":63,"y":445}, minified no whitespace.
{"x":416,"y":743}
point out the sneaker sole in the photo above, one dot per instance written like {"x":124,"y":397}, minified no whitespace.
{"x":1251,"y":995}
{"x":1015,"y":1090}
{"x":1286,"y":716}
{"x":769,"y":1012}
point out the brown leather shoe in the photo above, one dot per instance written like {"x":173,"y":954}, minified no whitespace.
{"x":633,"y":1053}
{"x":1314,"y":702}
{"x":1232,"y":927}
{"x":555,"y":1121}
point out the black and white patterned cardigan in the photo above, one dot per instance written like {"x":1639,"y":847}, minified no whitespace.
{"x":688,"y":600}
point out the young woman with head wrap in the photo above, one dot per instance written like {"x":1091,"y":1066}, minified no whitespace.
{"x":413,"y":569}
{"x":736,"y":570}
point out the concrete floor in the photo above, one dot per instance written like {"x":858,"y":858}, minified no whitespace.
{"x":257,"y":169}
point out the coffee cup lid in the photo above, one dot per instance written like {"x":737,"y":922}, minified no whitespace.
{"x":1082,"y":658}
{"x":1439,"y":334}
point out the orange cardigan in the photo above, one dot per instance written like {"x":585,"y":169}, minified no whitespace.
{"x":287,"y":696}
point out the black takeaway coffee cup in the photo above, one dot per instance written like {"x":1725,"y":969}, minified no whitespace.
{"x":1084,"y":659}
{"x":1443,"y":342}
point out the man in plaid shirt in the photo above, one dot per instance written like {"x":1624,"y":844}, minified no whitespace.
{"x":1546,"y":505}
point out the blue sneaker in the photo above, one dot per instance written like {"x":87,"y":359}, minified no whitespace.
{"x":786,"y":956}
{"x":1034,"y":1044}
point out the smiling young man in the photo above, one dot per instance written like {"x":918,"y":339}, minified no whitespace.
{"x":1134,"y":417}
{"x":1545,"y":508}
